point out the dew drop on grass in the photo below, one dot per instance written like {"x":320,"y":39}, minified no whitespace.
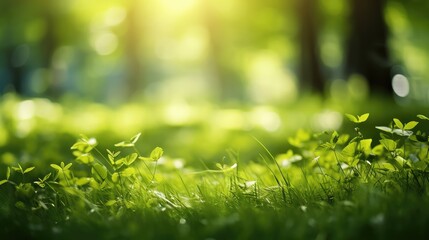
{"x":182,"y":221}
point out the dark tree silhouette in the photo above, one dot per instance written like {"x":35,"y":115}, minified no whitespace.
{"x":367,"y":51}
{"x":9,"y":47}
{"x":49,"y":44}
{"x":309,"y":72}
{"x":16,"y":72}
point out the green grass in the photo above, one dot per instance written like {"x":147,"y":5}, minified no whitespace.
{"x":363,"y":180}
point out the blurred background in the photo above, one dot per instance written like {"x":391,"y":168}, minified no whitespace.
{"x":199,"y":76}
{"x":206,"y":50}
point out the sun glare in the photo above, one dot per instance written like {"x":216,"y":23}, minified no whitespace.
{"x":178,"y":5}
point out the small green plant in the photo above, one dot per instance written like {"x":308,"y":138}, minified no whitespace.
{"x":317,"y":175}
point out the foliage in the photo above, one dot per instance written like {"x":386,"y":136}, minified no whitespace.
{"x":341,"y":175}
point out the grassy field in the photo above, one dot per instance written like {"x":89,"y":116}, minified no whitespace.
{"x":198,"y":171}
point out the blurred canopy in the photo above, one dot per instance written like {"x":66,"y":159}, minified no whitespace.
{"x":255,"y":51}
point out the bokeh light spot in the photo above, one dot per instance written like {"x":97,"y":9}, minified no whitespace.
{"x":105,"y":42}
{"x":357,"y":87}
{"x":114,"y":16}
{"x":400,"y":85}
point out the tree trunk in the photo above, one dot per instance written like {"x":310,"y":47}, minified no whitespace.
{"x":16,"y":72}
{"x":223,"y":76}
{"x":310,"y":74}
{"x":132,"y":51}
{"x":367,"y":52}
{"x":49,"y":45}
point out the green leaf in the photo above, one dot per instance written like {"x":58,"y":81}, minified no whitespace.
{"x":421,"y":137}
{"x":334,"y":137}
{"x":389,"y":144}
{"x":403,"y":133}
{"x":56,"y":167}
{"x":110,"y":203}
{"x":410,"y":125}
{"x":343,"y":138}
{"x":67,"y":166}
{"x":156,"y":153}
{"x":326,"y":146}
{"x":18,"y":169}
{"x":21,"y":206}
{"x":40,"y":183}
{"x":120,"y":161}
{"x":83,"y":181}
{"x":3,"y":181}
{"x":111,"y":159}
{"x":352,"y":118}
{"x":384,"y":129}
{"x":146,"y":158}
{"x":128,"y":172}
{"x":124,"y":144}
{"x":423,"y":117}
{"x":46,"y":177}
{"x":362,"y":118}
{"x":79,"y":146}
{"x":85,"y":158}
{"x":84,"y":144}
{"x":99,"y":170}
{"x":113,"y":153}
{"x":386,"y":166}
{"x":8,"y":173}
{"x":420,"y":165}
{"x":109,"y":152}
{"x":130,"y":143}
{"x":115,"y":177}
{"x":398,"y":123}
{"x":134,"y":139}
{"x":130,"y":159}
{"x":402,"y":162}
{"x":378,"y":150}
{"x":365,"y":146}
{"x":349,"y":150}
{"x":358,"y":119}
{"x":234,"y":166}
{"x":29,"y":169}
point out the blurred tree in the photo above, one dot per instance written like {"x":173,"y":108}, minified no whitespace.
{"x":10,"y":39}
{"x":134,"y":68}
{"x":15,"y":68}
{"x":367,"y":50}
{"x":224,"y":77}
{"x":49,"y":43}
{"x":309,"y":72}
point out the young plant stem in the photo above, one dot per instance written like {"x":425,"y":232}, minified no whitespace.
{"x":339,"y":163}
{"x":138,"y":153}
{"x":275,"y":178}
{"x":154,"y":171}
